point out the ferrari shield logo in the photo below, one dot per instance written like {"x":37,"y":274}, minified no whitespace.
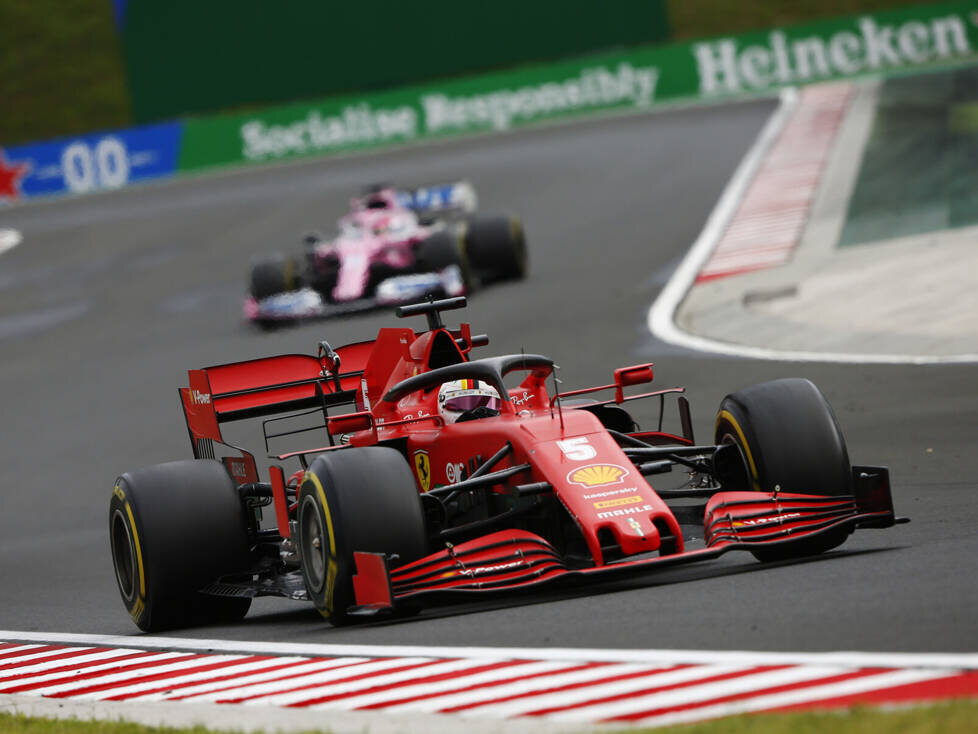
{"x":423,"y":467}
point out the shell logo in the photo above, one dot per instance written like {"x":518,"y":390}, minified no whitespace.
{"x":597,"y":475}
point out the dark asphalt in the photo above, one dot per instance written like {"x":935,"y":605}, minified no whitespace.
{"x":112,"y":297}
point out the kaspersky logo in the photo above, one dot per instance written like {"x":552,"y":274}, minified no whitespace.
{"x":11,"y":175}
{"x":870,"y":46}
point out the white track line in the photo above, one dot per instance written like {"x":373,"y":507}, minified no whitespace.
{"x":112,"y":664}
{"x":9,"y":239}
{"x":442,"y":701}
{"x":216,"y":688}
{"x":967,"y":661}
{"x":661,"y":316}
{"x":76,"y":663}
{"x":692,"y":694}
{"x":124,"y":677}
{"x":485,"y":681}
{"x":521,"y":706}
{"x":300,"y":697}
{"x":20,"y":658}
{"x":288,"y":685}
{"x":18,"y":649}
{"x":389,"y":689}
{"x":245,"y":667}
{"x":289,"y":681}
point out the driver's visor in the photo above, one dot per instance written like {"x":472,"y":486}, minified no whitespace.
{"x":464,"y":403}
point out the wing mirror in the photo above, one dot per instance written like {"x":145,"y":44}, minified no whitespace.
{"x":639,"y":374}
{"x":351,"y":422}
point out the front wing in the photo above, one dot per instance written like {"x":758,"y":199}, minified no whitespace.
{"x":515,"y":559}
{"x":307,"y":303}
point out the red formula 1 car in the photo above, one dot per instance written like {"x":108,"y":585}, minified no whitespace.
{"x":448,"y":475}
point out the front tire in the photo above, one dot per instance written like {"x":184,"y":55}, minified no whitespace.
{"x":497,"y":248}
{"x":273,"y":275}
{"x":789,"y":440}
{"x":359,"y":499}
{"x":444,"y":249}
{"x":174,"y":528}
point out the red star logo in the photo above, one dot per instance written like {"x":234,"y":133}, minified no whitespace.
{"x":10,"y":176}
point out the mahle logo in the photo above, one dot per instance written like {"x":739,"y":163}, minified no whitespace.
{"x":869,"y":47}
{"x":624,"y":512}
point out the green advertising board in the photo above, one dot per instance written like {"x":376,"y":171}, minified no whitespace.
{"x":883,"y":43}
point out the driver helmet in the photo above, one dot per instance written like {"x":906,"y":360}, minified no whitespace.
{"x":466,"y":399}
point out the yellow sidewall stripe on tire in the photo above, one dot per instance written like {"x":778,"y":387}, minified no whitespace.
{"x":726,"y":415}
{"x":139,"y":552}
{"x":331,"y":567}
{"x":289,"y":274}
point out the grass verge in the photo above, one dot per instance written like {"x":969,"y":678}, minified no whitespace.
{"x":951,"y":717}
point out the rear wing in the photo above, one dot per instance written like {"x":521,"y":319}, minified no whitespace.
{"x":286,"y":385}
{"x":457,"y":197}
{"x":268,"y":386}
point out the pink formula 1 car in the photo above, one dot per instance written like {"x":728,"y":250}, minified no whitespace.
{"x":394,"y":246}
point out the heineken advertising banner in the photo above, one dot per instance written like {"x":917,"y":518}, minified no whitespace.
{"x":898,"y":41}
{"x":882,"y":43}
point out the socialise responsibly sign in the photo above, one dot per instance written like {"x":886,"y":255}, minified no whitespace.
{"x":878,"y":44}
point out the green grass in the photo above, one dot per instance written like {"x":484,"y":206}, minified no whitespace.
{"x":16,"y":724}
{"x":954,"y":717}
{"x":61,"y":69}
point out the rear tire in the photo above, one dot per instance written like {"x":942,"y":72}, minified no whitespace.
{"x":496,"y":247}
{"x":273,"y":275}
{"x":789,"y":438}
{"x":359,"y":499}
{"x":174,"y":528}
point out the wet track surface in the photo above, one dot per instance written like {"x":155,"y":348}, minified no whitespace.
{"x":111,"y":298}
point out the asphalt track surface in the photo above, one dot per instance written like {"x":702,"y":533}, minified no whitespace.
{"x":110,"y":298}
